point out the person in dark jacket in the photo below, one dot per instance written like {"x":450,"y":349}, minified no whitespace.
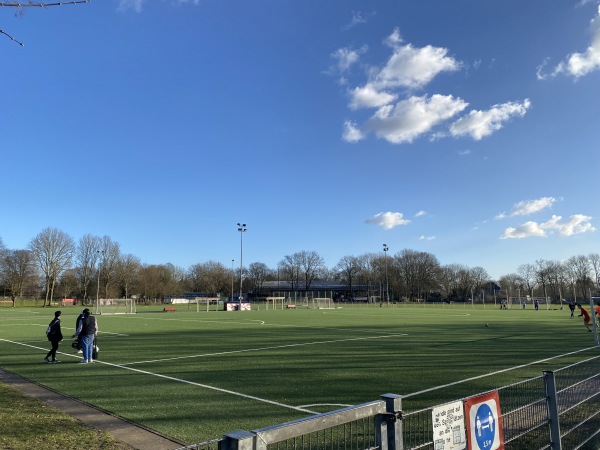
{"x":87,"y":331}
{"x":54,"y":334}
{"x":76,"y":344}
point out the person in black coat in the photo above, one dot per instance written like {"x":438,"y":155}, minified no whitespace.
{"x":87,"y":331}
{"x":54,"y":334}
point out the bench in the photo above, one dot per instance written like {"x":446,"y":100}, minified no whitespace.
{"x":169,"y":309}
{"x":291,"y":306}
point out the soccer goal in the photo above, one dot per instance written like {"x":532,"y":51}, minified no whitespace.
{"x":322,"y":303}
{"x":115,"y":306}
{"x":208,"y":304}
{"x":274,"y":301}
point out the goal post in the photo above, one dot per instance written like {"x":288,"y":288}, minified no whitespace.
{"x":207,"y":303}
{"x":322,"y":303}
{"x":115,"y":306}
{"x":274,"y":301}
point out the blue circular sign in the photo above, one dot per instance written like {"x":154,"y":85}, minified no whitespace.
{"x":485,"y":427}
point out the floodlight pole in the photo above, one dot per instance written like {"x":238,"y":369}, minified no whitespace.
{"x":387,"y":294}
{"x":242,"y":229}
{"x":101,"y":253}
{"x":232,"y":276}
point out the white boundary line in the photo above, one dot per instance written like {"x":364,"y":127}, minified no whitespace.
{"x":179,"y":380}
{"x":266,"y":348}
{"x":72,"y":328}
{"x":283,"y":405}
{"x":495,"y":373}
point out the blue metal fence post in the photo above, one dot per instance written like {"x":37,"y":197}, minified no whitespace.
{"x":553,"y":416}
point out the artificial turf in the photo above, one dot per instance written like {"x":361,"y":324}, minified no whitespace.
{"x":198,"y":375}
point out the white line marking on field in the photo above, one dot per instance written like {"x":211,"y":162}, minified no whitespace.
{"x":325,"y":404}
{"x":266,"y":348}
{"x":496,"y":372}
{"x":70,"y":328}
{"x":179,"y":380}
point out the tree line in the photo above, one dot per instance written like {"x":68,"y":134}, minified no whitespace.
{"x":54,"y":266}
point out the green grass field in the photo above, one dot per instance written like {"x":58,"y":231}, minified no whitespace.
{"x":195,"y":376}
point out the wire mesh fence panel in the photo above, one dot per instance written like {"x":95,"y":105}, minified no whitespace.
{"x":533,"y":413}
{"x":525,"y":414}
{"x":578,"y":393}
{"x":418,"y":430}
{"x":356,"y":435}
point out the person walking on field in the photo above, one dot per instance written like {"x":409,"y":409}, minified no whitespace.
{"x":586,"y":317}
{"x":77,"y":343}
{"x":87,"y":331}
{"x":54,"y":334}
{"x":572,"y":308}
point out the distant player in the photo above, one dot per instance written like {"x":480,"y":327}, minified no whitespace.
{"x":586,"y":317}
{"x":572,"y":308}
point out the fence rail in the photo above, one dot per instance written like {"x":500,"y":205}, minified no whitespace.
{"x":559,"y":410}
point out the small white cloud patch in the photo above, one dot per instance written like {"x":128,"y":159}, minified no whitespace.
{"x":388,"y":220}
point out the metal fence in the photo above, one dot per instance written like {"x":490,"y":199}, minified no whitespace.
{"x":559,"y":410}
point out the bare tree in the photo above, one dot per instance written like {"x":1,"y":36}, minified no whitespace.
{"x":480,"y":278}
{"x":87,"y":256}
{"x":128,"y":272}
{"x":67,"y":283}
{"x":579,"y":268}
{"x":110,"y":255}
{"x":348,"y":269}
{"x":449,"y":280}
{"x":419,"y":272}
{"x":257,"y":275}
{"x":210,"y":278}
{"x":528,"y":274}
{"x":311,"y":264}
{"x":594,"y":259}
{"x":511,"y":284}
{"x":19,"y":6}
{"x":290,"y":268}
{"x":53,"y":250}
{"x":17,"y":271}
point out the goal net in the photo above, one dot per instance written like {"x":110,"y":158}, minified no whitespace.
{"x":115,"y":306}
{"x":322,"y":303}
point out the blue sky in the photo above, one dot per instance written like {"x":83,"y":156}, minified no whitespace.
{"x":466,"y":129}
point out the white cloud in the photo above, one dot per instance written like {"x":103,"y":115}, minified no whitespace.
{"x":580,"y":64}
{"x":394,"y":39}
{"x":528,"y":229}
{"x":412,"y":67}
{"x":479,"y":124}
{"x":388,"y":220}
{"x":577,"y":224}
{"x":421,"y":213}
{"x":528,"y":207}
{"x":414,"y":116}
{"x":368,"y":97}
{"x":357,"y":18}
{"x":351,"y":132}
{"x":135,"y":5}
{"x":346,"y":58}
{"x":402,"y":116}
{"x":426,"y":238}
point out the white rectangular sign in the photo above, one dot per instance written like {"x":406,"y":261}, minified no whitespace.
{"x":449,"y":427}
